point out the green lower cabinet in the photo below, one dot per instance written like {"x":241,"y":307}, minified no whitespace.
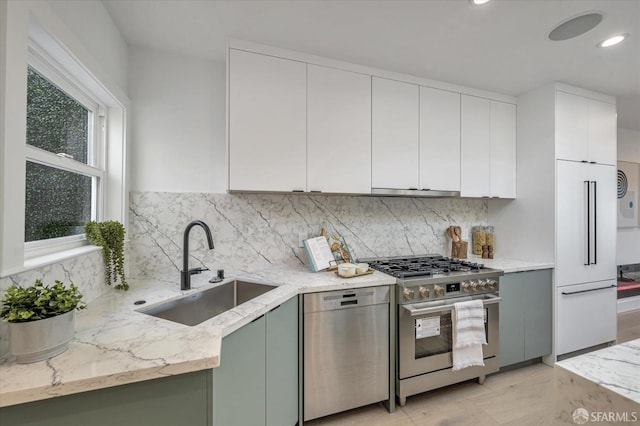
{"x":282,"y":365}
{"x":256,"y":383}
{"x":170,"y":401}
{"x":238,"y":383}
{"x":525,"y":316}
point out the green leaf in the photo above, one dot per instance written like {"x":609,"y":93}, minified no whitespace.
{"x":110,"y":236}
{"x":39,"y":301}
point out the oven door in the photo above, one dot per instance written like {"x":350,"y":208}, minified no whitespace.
{"x":425,"y":334}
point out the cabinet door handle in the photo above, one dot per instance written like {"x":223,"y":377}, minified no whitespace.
{"x":587,"y":209}
{"x":595,"y":222}
{"x":275,"y":308}
{"x":569,"y":293}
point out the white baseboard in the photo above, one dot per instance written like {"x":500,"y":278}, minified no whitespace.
{"x":628,"y":304}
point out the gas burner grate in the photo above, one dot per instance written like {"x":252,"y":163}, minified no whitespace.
{"x":403,"y":267}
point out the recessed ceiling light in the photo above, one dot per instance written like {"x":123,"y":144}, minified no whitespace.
{"x":479,"y":2}
{"x":575,"y":26}
{"x":612,"y":41}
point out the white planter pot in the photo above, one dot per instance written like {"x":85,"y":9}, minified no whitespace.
{"x":39,"y":340}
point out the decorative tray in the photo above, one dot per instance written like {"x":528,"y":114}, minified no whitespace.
{"x":369,"y":271}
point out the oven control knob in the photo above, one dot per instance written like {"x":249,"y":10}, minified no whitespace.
{"x":424,"y":292}
{"x":484,"y":284}
{"x":439,"y":291}
{"x":466,"y":286}
{"x":475,"y":285}
{"x":408,"y":293}
{"x":492,"y":283}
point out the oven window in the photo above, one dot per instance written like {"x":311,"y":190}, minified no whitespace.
{"x":434,"y":345}
{"x":443,"y":341}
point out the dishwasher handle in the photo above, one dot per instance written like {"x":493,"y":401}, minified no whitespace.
{"x":345,"y":299}
{"x":420,"y":309}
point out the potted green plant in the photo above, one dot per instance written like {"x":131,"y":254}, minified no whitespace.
{"x":41,"y":319}
{"x":110,"y":236}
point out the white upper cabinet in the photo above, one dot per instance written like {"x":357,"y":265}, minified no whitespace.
{"x":572,"y":127}
{"x":267,"y":123}
{"x":585,"y":129}
{"x":439,"y":140}
{"x":394,"y":134}
{"x":603,"y":124}
{"x":475,"y":142}
{"x":503,"y":150}
{"x":488,"y":148}
{"x":338,"y":131}
{"x":302,"y":123}
{"x":415,"y":137}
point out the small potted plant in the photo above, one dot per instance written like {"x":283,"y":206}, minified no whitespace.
{"x":41,"y":319}
{"x":110,"y":236}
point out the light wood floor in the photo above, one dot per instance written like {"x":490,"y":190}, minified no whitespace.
{"x":629,"y":326}
{"x":522,"y":397}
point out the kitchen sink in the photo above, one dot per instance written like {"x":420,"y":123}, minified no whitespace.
{"x":198,"y":307}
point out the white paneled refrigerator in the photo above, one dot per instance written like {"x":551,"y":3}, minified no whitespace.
{"x":585,"y":255}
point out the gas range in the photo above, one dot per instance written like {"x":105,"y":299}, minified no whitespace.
{"x":433,"y":277}
{"x":428,"y":289}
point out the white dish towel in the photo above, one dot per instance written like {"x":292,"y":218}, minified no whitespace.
{"x":468,"y":334}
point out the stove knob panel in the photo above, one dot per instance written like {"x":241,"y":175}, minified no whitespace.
{"x":424,"y":292}
{"x":439,"y":291}
{"x":408,"y":293}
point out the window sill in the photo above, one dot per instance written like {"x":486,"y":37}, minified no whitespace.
{"x":40,"y":261}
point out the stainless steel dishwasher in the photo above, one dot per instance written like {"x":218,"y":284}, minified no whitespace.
{"x":346,"y":350}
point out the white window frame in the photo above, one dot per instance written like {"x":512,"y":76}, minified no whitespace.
{"x":95,"y":167}
{"x":27,"y":23}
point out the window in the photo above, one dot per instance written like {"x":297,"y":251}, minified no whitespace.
{"x":64,"y":171}
{"x":62,"y":178}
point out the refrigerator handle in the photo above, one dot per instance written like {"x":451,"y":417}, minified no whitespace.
{"x":588,"y":223}
{"x":595,"y":223}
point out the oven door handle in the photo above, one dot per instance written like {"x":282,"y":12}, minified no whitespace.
{"x":419,"y":309}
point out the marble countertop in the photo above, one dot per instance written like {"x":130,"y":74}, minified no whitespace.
{"x":616,"y":369}
{"x":114,"y":344}
{"x":512,"y":265}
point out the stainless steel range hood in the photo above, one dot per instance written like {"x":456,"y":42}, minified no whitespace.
{"x":391,"y":192}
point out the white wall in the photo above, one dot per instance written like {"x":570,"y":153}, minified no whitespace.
{"x":628,"y":145}
{"x":628,"y":249}
{"x":178,"y":132}
{"x":92,"y":24}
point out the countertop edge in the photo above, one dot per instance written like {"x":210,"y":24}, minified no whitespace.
{"x":40,"y":393}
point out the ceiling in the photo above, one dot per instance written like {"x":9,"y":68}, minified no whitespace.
{"x":501,"y":46}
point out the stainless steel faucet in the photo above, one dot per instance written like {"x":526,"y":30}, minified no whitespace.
{"x":185,"y":274}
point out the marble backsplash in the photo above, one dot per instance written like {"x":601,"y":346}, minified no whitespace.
{"x":85,"y":271}
{"x":254,"y":231}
